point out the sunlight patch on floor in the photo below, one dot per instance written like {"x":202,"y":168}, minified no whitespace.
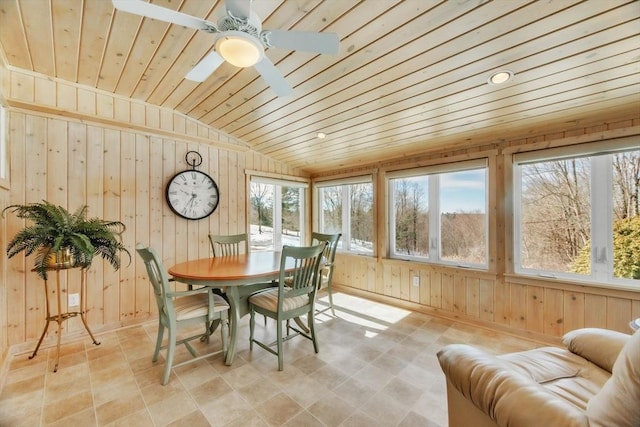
{"x":375,"y":317}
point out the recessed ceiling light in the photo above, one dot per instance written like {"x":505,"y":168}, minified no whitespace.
{"x":500,"y":77}
{"x":321,"y":135}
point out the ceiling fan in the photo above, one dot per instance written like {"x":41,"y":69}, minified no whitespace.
{"x":239,"y":39}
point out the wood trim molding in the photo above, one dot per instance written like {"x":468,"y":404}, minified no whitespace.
{"x":574,"y":140}
{"x":575,"y":286}
{"x":37,"y":109}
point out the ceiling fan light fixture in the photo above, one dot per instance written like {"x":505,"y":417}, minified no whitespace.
{"x":500,"y":77}
{"x":239,"y":49}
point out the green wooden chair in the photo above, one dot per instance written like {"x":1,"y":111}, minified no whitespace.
{"x":181,"y":308}
{"x":328,"y":265}
{"x":234,"y":244}
{"x":291,"y":300}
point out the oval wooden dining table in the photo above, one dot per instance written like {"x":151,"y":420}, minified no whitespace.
{"x":238,"y":275}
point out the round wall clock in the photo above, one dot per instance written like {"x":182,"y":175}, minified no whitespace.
{"x":192,"y":194}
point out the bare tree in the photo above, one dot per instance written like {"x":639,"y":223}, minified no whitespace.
{"x":411,"y":217}
{"x":463,"y":236}
{"x":261,"y":198}
{"x":361,"y":198}
{"x":555,"y":212}
{"x":291,"y":209}
{"x":556,"y":208}
{"x":626,"y":179}
{"x":332,"y":209}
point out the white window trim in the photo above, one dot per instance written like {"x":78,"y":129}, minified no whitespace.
{"x":433,"y":173}
{"x":438,"y":169}
{"x":346,"y":217}
{"x":359,"y":179}
{"x":601,"y":181}
{"x":586,"y":149}
{"x":279,"y":182}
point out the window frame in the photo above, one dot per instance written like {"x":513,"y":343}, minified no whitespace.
{"x":279,"y":182}
{"x":601,"y":213}
{"x":433,"y":174}
{"x":345,"y":241}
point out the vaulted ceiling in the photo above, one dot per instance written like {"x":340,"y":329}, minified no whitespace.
{"x":410,"y":76}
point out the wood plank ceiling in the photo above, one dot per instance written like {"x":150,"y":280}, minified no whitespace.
{"x":410,"y":77}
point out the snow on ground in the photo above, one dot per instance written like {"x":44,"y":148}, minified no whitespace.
{"x":264,"y":241}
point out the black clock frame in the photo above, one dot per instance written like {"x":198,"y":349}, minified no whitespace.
{"x":196,"y":160}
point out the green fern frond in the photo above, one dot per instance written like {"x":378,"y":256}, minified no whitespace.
{"x":54,"y":229}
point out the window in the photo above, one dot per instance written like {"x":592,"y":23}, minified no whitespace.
{"x":577,"y":213}
{"x":277,"y":213}
{"x":438,"y":214}
{"x":346,"y":206}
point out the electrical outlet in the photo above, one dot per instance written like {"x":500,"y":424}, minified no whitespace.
{"x":416,"y":280}
{"x":74,"y":300}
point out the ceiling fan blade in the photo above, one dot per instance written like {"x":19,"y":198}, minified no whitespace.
{"x":205,"y":67}
{"x":142,"y":8}
{"x":306,"y":41}
{"x":239,"y":8}
{"x":273,"y":77}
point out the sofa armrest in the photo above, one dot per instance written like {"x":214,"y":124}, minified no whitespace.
{"x":506,"y":396}
{"x":599,"y":346}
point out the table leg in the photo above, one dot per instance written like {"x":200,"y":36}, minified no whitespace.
{"x":234,"y":320}
{"x":301,"y":324}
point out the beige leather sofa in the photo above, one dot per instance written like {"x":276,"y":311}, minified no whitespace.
{"x":594,"y":382}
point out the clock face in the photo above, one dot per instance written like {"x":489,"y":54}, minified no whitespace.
{"x":192,"y":194}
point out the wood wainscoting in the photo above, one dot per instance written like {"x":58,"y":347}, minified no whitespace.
{"x":536,"y":308}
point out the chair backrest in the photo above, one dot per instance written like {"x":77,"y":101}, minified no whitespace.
{"x":303,"y":279}
{"x":158,"y":277}
{"x":234,"y":244}
{"x":329,"y":253}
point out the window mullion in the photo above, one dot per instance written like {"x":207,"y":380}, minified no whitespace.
{"x":601,"y":217}
{"x":434,"y":218}
{"x":517,"y":218}
{"x":346,"y":216}
{"x":302,"y":208}
{"x":392,"y":216}
{"x":277,"y":216}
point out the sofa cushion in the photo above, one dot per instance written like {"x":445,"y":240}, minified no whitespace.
{"x":617,"y":403}
{"x":599,"y":346}
{"x":502,"y":392}
{"x":545,"y":364}
{"x":561,"y":372}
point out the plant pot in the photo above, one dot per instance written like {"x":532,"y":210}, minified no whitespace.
{"x":60,"y":259}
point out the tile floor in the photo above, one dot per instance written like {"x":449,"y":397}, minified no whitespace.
{"x":377,"y":366}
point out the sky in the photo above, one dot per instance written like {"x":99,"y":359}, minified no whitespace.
{"x":463,"y":191}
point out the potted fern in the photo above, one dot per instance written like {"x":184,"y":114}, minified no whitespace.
{"x":61,"y":239}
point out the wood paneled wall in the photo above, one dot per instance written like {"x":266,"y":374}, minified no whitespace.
{"x":4,"y":201}
{"x":73,"y":146}
{"x":539,"y":308}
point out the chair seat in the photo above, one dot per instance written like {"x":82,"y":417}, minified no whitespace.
{"x":268,"y":299}
{"x":197,"y":305}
